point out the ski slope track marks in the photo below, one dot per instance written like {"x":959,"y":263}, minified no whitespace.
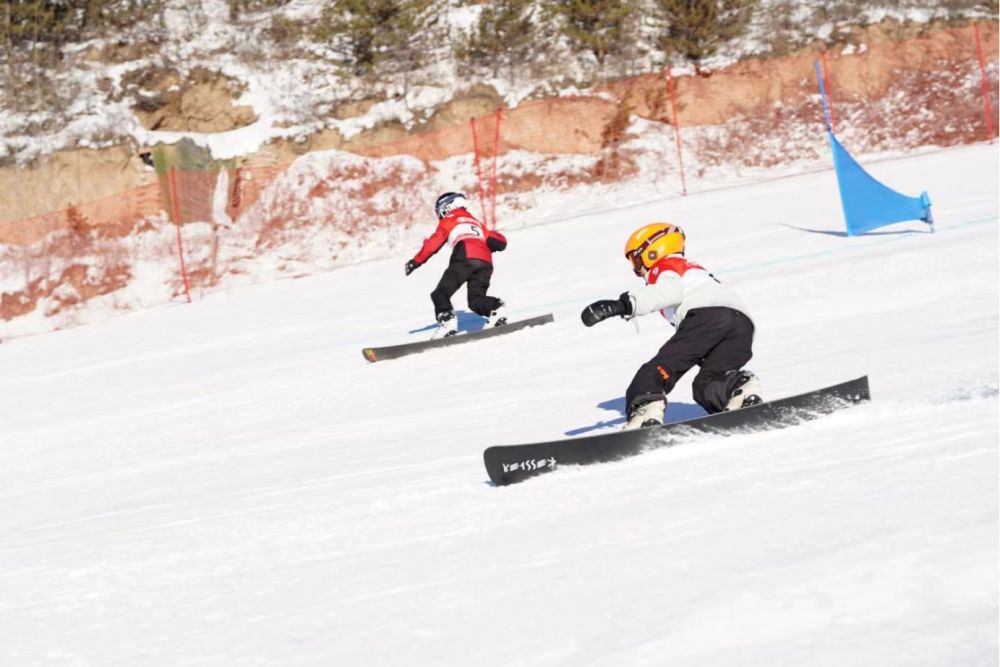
{"x":229,"y":482}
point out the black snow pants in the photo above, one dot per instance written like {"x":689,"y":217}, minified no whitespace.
{"x":477,"y":274}
{"x":717,"y":339}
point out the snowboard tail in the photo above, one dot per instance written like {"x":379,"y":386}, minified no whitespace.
{"x":374,"y":354}
{"x":510,"y":464}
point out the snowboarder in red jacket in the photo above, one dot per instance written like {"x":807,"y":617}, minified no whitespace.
{"x":473,"y":245}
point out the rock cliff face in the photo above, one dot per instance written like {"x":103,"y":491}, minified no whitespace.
{"x":892,"y":94}
{"x":929,"y":69}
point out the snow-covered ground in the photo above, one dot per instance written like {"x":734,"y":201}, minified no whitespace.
{"x":229,"y":482}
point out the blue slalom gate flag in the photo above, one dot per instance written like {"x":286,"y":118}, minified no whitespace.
{"x":868,"y":203}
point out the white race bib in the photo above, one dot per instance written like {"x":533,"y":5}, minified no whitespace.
{"x":464,"y":230}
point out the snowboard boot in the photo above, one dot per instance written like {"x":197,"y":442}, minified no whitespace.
{"x":498,"y":317}
{"x":447,"y":325}
{"x":646,"y":414}
{"x":744,"y":392}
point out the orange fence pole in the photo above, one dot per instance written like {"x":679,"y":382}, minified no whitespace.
{"x":493,"y":176}
{"x":479,"y":173}
{"x":677,"y":128}
{"x":987,"y":105}
{"x":180,"y":239}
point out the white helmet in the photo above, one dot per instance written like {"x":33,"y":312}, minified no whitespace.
{"x":448,"y":202}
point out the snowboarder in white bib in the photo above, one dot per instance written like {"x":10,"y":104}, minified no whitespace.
{"x":713,"y":332}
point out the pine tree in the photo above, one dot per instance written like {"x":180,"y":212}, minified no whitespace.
{"x":35,"y":21}
{"x":504,"y":36}
{"x":599,"y":26}
{"x":696,"y":29}
{"x":375,"y":34}
{"x":33,"y":31}
{"x":103,"y":16}
{"x":58,"y":22}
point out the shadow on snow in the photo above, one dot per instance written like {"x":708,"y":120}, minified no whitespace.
{"x":675,"y":412}
{"x":828,"y":232}
{"x":466,"y":322}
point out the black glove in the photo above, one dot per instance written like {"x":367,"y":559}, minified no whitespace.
{"x":411,"y":266}
{"x":602,"y":310}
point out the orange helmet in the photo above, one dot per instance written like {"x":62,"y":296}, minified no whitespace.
{"x":651,"y":243}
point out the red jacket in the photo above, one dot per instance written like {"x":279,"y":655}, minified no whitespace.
{"x":469,"y":238}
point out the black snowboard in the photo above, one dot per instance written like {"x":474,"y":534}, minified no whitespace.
{"x":374,"y":354}
{"x":514,"y":463}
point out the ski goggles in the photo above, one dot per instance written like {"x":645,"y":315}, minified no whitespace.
{"x":636,"y":258}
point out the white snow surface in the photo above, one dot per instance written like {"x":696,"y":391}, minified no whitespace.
{"x":229,"y":482}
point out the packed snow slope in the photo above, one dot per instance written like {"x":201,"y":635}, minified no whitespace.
{"x":230,"y":482}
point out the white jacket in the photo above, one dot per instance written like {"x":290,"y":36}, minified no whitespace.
{"x":675,"y":286}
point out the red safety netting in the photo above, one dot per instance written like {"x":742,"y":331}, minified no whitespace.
{"x":188,"y":232}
